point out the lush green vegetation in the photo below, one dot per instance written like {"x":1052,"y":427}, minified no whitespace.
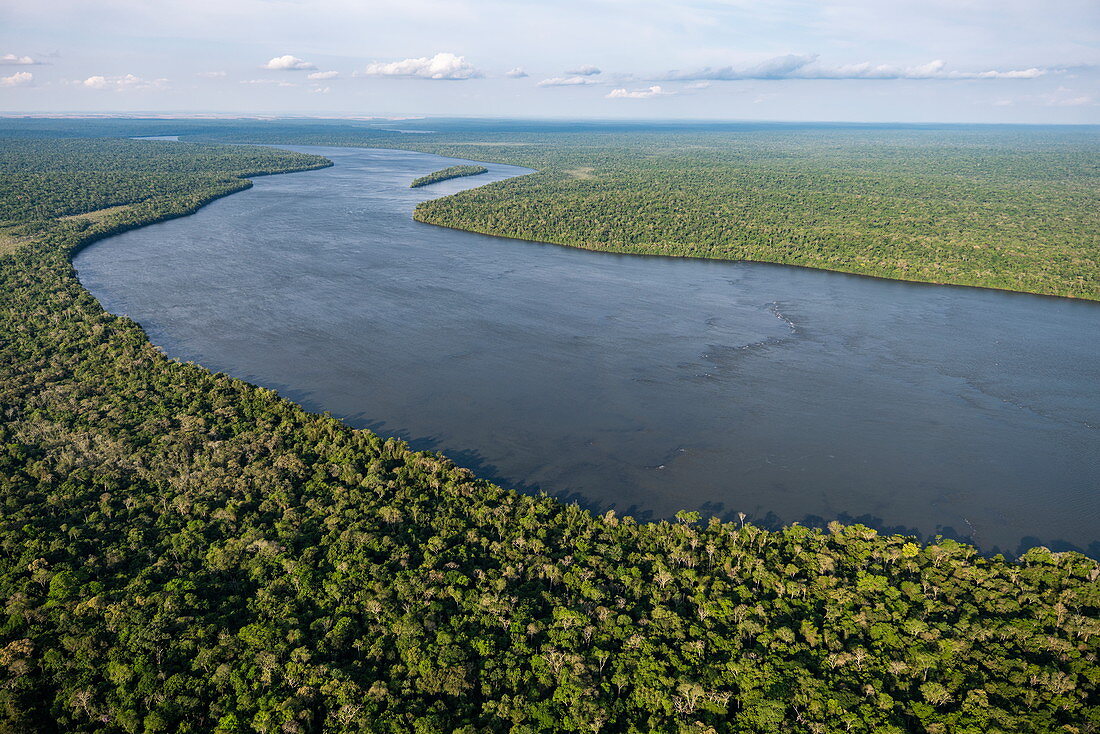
{"x":184,"y":552}
{"x":446,"y":173}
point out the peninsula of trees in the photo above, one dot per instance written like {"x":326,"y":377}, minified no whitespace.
{"x":181,"y":551}
{"x":447,"y":173}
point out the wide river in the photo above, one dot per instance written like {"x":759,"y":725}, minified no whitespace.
{"x":647,"y":385}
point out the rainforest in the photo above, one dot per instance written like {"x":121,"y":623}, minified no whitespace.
{"x":183,"y":551}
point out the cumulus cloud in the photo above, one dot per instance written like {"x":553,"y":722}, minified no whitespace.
{"x":211,"y":74}
{"x":18,"y":79}
{"x":441,"y":66}
{"x":806,"y":66}
{"x":288,"y":63}
{"x":123,"y":83}
{"x":322,"y":75}
{"x":567,"y":81}
{"x":321,"y":90}
{"x":654,"y":91}
{"x":586,"y":70}
{"x":516,"y":73}
{"x":13,"y":60}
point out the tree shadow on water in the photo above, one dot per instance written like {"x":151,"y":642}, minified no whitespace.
{"x":477,"y":463}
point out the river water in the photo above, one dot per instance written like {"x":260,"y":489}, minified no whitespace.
{"x":647,"y":385}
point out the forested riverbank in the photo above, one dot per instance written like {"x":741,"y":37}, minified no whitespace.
{"x":185,"y":552}
{"x":962,"y":209}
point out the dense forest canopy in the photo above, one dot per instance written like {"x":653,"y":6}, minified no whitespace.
{"x":447,"y":173}
{"x":181,"y":551}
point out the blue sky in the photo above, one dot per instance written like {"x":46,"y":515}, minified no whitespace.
{"x":862,"y":60}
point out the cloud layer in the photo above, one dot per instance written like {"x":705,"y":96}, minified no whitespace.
{"x":567,"y":81}
{"x":123,"y":83}
{"x":806,"y":66}
{"x":586,"y":70}
{"x":441,"y":66}
{"x":649,"y":92}
{"x":18,"y":79}
{"x":13,"y":60}
{"x":288,"y":63}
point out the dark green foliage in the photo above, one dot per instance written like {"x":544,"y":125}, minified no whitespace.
{"x":184,"y":552}
{"x":446,"y":173}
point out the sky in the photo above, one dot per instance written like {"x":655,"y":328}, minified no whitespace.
{"x":999,"y":61}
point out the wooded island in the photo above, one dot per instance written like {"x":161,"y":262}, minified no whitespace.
{"x":447,"y":173}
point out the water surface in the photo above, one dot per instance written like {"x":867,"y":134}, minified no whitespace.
{"x":644,"y":384}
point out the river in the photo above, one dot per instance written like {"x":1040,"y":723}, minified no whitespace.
{"x":643,"y":384}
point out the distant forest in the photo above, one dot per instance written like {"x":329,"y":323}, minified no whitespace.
{"x":447,"y":173}
{"x":181,"y":551}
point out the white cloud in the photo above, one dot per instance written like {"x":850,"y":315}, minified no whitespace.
{"x":273,"y":82}
{"x":321,"y":90}
{"x":18,"y":79}
{"x":211,"y":74}
{"x":570,"y":81}
{"x":806,"y":66}
{"x":123,"y":83}
{"x":516,"y":73}
{"x":321,"y":75}
{"x":288,"y":63}
{"x":1017,"y":74}
{"x":13,"y":60}
{"x":586,"y":70}
{"x":698,"y":85}
{"x":623,"y":93}
{"x":440,"y":66}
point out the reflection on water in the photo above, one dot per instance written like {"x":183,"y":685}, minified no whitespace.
{"x":644,"y":384}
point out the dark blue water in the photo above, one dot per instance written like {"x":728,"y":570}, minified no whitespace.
{"x":644,"y":384}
